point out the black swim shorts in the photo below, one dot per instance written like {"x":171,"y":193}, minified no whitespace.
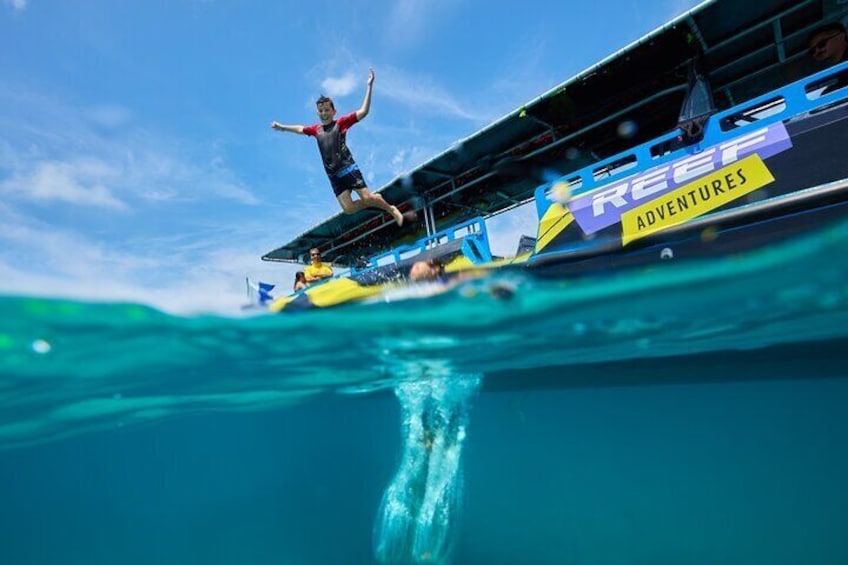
{"x":351,"y":180}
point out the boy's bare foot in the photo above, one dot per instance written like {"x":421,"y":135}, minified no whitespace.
{"x":397,"y":215}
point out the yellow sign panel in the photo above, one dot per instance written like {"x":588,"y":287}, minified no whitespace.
{"x":556,"y":219}
{"x":695,"y":199}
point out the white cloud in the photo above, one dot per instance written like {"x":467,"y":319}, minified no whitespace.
{"x":339,"y":86}
{"x":152,"y":220}
{"x":17,"y":5}
{"x":405,"y":160}
{"x":420,"y":93}
{"x":398,"y":162}
{"x":77,"y":182}
{"x":37,"y":259}
{"x":100,"y":158}
{"x":416,"y":92}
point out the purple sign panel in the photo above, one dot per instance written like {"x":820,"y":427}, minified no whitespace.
{"x":603,"y":206}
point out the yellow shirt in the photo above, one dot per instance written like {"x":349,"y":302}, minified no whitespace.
{"x":321,"y":271}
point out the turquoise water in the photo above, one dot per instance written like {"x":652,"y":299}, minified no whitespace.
{"x":683,"y":413}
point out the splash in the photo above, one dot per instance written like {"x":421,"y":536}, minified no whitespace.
{"x":417,"y":519}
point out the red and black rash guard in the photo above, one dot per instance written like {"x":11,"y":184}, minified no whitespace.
{"x":332,"y":143}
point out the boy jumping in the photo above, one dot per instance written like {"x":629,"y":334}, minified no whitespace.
{"x":343,"y":171}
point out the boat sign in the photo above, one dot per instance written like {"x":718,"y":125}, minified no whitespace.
{"x":696,"y":198}
{"x":605,"y":206}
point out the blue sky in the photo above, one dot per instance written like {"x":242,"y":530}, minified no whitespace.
{"x":136,"y":158}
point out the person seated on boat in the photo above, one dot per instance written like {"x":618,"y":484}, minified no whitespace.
{"x":317,"y":270}
{"x":433,"y":271}
{"x":430,"y":270}
{"x":299,"y":281}
{"x":339,"y":165}
{"x":828,"y":44}
{"x":828,"y":47}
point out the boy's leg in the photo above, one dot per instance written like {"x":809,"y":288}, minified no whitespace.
{"x":368,"y":199}
{"x":349,"y":206}
{"x":343,"y":186}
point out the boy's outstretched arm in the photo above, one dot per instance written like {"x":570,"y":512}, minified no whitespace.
{"x":366,"y":104}
{"x":280,"y":127}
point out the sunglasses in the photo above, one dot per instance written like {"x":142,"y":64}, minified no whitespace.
{"x":822,"y":43}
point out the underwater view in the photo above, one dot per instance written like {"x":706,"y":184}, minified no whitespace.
{"x":686,"y":412}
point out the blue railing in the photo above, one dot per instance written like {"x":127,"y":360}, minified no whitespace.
{"x":777,"y":105}
{"x":475,"y":245}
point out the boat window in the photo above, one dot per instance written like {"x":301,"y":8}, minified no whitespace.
{"x":663,"y":148}
{"x":753,"y":114}
{"x":435,"y":242}
{"x":828,"y":84}
{"x":385,"y":260}
{"x":410,"y":253}
{"x":615,"y":167}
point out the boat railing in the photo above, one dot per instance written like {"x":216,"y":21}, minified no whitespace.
{"x":813,"y":92}
{"x":474,"y":245}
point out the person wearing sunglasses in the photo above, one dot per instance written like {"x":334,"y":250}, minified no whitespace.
{"x":828,"y":44}
{"x":317,"y":270}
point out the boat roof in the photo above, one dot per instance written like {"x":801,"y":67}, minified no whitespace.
{"x":631,"y":96}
